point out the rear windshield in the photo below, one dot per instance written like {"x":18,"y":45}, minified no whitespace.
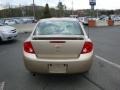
{"x":58,"y":28}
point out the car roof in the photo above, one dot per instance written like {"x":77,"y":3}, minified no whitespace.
{"x":58,"y":19}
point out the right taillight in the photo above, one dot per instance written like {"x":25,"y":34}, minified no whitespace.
{"x":28,"y":47}
{"x":88,"y":47}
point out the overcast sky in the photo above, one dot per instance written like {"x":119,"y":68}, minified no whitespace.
{"x":77,"y":4}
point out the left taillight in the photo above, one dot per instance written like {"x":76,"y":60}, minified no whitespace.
{"x":87,"y":48}
{"x":28,"y":47}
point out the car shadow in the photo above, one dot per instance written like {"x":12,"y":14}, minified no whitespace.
{"x":52,"y":81}
{"x":8,"y":42}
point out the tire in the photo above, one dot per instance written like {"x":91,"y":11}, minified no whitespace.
{"x":0,"y":39}
{"x":33,"y":74}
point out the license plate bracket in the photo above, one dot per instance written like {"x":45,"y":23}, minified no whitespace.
{"x":57,"y":68}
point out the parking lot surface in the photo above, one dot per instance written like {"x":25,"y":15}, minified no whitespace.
{"x":103,"y":75}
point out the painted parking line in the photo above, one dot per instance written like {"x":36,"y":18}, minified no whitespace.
{"x":2,"y":84}
{"x":107,"y":61}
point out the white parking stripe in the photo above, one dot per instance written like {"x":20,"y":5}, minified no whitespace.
{"x":107,"y":61}
{"x":2,"y":86}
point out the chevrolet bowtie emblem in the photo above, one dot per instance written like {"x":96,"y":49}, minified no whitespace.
{"x":57,"y":46}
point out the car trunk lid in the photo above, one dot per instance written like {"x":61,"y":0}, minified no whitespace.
{"x":58,"y":47}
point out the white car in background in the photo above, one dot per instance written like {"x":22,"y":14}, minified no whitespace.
{"x":117,"y":18}
{"x":19,"y":21}
{"x":84,"y":20}
{"x":10,"y":22}
{"x":7,"y":33}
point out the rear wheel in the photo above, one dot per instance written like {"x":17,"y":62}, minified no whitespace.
{"x":33,"y":73}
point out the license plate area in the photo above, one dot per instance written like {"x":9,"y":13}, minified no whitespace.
{"x":57,"y":68}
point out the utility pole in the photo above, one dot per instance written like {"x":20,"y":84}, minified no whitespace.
{"x":34,"y":9}
{"x":22,"y":10}
{"x":97,"y":13}
{"x":92,"y":11}
{"x":72,"y":7}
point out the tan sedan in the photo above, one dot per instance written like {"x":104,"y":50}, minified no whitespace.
{"x":58,"y":45}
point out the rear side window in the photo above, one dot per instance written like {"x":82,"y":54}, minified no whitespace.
{"x":58,"y":28}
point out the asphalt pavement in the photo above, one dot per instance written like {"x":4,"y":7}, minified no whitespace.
{"x":103,"y":75}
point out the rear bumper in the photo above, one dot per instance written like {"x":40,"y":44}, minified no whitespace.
{"x":80,"y":65}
